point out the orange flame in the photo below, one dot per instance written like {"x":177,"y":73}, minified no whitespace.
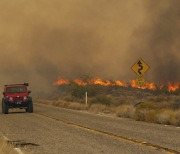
{"x":80,"y":82}
{"x":120,"y":83}
{"x":97,"y":81}
{"x":173,"y":87}
{"x":61,"y":82}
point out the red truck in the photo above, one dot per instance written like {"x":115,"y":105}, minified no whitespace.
{"x":17,"y":96}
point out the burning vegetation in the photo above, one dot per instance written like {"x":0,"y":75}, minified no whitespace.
{"x":170,"y":86}
{"x":156,"y":103}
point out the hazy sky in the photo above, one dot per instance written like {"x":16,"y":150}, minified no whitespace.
{"x":41,"y":40}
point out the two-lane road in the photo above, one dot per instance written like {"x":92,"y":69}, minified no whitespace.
{"x":56,"y":130}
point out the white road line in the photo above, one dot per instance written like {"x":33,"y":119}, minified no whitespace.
{"x":5,"y":138}
{"x":18,"y":150}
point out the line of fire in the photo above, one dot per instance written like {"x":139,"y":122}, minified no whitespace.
{"x":170,"y":86}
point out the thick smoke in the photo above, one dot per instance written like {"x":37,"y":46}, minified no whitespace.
{"x":42,"y":40}
{"x":158,"y":40}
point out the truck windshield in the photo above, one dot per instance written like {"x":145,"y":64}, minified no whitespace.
{"x":16,"y":89}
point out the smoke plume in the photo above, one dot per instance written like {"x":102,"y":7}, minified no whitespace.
{"x":42,"y":40}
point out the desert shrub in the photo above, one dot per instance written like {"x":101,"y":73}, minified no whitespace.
{"x":151,"y":116}
{"x":93,"y":100}
{"x":77,"y":106}
{"x":117,"y":101}
{"x":127,"y":111}
{"x":163,"y":105}
{"x":63,"y":104}
{"x":151,"y":99}
{"x":146,"y":115}
{"x":140,"y":114}
{"x":160,"y":98}
{"x":177,"y":115}
{"x":146,"y":106}
{"x":93,"y":90}
{"x":166,"y":117}
{"x":168,"y":98}
{"x":55,"y":103}
{"x":176,"y":104}
{"x":77,"y":91}
{"x":99,"y":108}
{"x":163,"y":118}
{"x":101,"y":99}
{"x":68,"y":98}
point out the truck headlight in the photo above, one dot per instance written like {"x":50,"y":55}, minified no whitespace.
{"x":11,"y":99}
{"x":24,"y":98}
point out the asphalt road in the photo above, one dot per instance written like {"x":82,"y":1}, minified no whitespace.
{"x":52,"y":130}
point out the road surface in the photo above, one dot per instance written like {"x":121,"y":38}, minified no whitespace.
{"x":51,"y":130}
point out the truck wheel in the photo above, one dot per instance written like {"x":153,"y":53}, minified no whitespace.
{"x":30,"y":108}
{"x":5,"y":108}
{"x":2,"y":107}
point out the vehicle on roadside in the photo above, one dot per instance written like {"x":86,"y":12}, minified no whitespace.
{"x":17,"y":96}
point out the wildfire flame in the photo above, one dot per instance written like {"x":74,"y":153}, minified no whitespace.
{"x":173,"y":87}
{"x":61,"y":82}
{"x":97,"y":81}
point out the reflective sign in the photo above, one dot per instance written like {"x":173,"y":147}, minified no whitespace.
{"x":140,"y":67}
{"x":141,"y":81}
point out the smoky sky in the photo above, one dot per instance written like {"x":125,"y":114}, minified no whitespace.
{"x":41,"y":40}
{"x":158,"y":40}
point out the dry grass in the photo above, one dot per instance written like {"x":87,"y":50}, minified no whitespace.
{"x":163,"y":116}
{"x":99,"y":108}
{"x":169,"y":117}
{"x":6,"y":148}
{"x":78,"y":106}
{"x":153,"y":112}
{"x":96,"y":108}
{"x":127,"y":111}
{"x":64,"y":104}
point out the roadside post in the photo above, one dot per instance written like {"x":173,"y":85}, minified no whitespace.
{"x":86,"y":94}
{"x":140,"y":68}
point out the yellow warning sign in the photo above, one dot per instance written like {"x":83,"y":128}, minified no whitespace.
{"x":140,"y":67}
{"x":141,"y":82}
